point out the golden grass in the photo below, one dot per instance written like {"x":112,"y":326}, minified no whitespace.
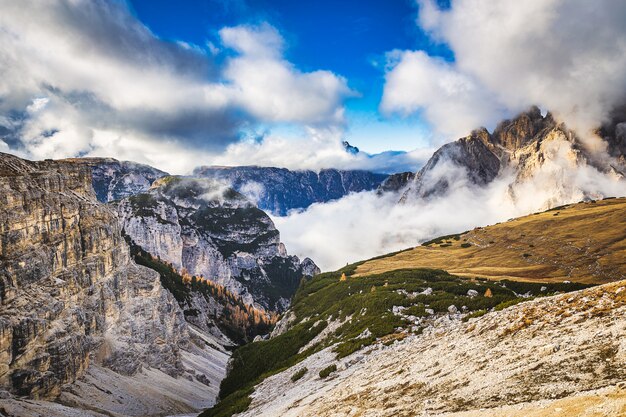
{"x":584,"y":242}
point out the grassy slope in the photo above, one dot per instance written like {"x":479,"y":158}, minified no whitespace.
{"x":583,"y":242}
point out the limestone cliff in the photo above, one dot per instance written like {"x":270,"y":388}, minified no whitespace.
{"x":209,"y":230}
{"x":75,"y":309}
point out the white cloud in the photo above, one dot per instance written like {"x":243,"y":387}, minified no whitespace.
{"x":271,"y":88}
{"x":566,"y":56}
{"x":451,"y":101}
{"x":85,"y":77}
{"x":315,"y":149}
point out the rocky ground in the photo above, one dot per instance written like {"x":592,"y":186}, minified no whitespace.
{"x":555,"y":356}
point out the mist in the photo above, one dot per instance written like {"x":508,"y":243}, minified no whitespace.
{"x":363,"y":225}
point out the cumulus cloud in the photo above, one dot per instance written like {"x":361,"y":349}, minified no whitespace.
{"x":85,"y":77}
{"x":271,"y":88}
{"x":566,"y":56}
{"x":453,"y":102}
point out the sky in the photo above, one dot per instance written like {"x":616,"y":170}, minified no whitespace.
{"x":282,"y":83}
{"x":348,"y":37}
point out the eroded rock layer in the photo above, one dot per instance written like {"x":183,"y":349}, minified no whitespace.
{"x":72,"y":301}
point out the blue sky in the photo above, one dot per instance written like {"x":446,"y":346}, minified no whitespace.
{"x":349,"y":38}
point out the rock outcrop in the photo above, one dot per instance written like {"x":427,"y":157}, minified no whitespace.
{"x":396,"y":182}
{"x":114,"y":180}
{"x":530,"y":150}
{"x":279,"y":190}
{"x":74,"y":306}
{"x":209,"y":230}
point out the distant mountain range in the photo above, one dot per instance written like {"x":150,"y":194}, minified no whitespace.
{"x":275,"y":190}
{"x":114,"y":180}
{"x":279,"y":190}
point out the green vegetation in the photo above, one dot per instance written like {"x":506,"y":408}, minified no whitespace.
{"x":327,"y":371}
{"x":233,"y":404}
{"x":509,"y":303}
{"x":443,"y":239}
{"x":466,"y":245}
{"x":264,"y":358}
{"x":366,"y":317}
{"x":237,"y":320}
{"x":299,"y":374}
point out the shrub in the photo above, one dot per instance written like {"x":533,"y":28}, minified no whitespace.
{"x":510,"y":303}
{"x":327,"y":371}
{"x":475,"y":314}
{"x":233,"y":404}
{"x":299,"y":374}
{"x":466,"y":245}
{"x":346,"y":348}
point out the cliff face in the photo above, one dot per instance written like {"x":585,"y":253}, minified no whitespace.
{"x":210,"y":230}
{"x":533,"y":150}
{"x":72,"y":301}
{"x":279,"y":190}
{"x":114,"y":180}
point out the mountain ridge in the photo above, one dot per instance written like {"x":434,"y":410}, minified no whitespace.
{"x":279,"y":190}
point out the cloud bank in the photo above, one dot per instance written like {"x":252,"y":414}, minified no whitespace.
{"x":567,"y":56}
{"x":363,"y":225}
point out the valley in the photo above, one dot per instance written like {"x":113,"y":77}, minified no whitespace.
{"x":237,"y":208}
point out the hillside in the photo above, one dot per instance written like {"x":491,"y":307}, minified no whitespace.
{"x":337,"y":315}
{"x":349,"y":342}
{"x":584,"y":242}
{"x":556,"y":356}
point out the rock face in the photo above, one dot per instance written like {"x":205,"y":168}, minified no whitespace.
{"x":209,"y":230}
{"x":72,"y":301}
{"x":279,"y":190}
{"x":114,"y":180}
{"x":530,"y":149}
{"x":396,"y":182}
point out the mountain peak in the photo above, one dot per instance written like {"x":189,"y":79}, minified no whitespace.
{"x":516,"y":133}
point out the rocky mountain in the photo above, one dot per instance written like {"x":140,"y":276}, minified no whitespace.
{"x":396,"y":182}
{"x":80,"y":322}
{"x":208,"y":230}
{"x":279,"y":190}
{"x":389,"y":336}
{"x":528,"y":149}
{"x":114,"y":180}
